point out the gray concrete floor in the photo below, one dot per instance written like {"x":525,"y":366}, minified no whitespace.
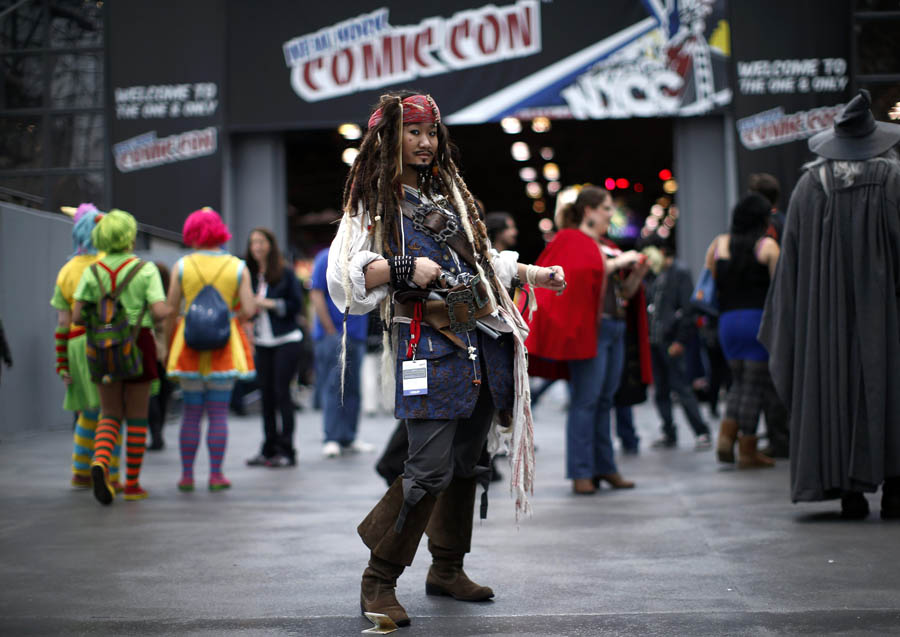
{"x":695,"y":549}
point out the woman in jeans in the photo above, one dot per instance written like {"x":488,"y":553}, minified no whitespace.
{"x":277,"y":336}
{"x":743,"y":263}
{"x":581,"y":333}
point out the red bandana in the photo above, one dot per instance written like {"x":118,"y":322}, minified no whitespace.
{"x":417,"y":109}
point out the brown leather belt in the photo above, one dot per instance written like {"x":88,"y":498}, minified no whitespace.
{"x":457,"y":312}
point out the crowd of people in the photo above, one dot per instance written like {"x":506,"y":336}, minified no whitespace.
{"x":129,"y":333}
{"x":795,"y":315}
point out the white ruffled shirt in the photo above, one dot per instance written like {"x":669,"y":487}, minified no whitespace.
{"x":362,"y":301}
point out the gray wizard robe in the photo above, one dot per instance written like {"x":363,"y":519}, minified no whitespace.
{"x":831,"y":327}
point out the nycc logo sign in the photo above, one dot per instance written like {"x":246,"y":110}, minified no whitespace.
{"x":366,"y":52}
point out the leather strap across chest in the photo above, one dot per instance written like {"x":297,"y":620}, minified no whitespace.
{"x":440,"y":226}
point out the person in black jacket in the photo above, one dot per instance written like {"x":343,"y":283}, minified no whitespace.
{"x":277,"y":339}
{"x":671,"y":328}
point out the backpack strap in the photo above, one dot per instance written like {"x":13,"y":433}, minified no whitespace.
{"x":221,"y":270}
{"x":96,"y":272}
{"x":117,"y":292}
{"x":199,"y":274}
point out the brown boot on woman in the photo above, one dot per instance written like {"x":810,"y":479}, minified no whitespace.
{"x":748,"y":455}
{"x":615,"y":480}
{"x":583,"y":486}
{"x":728,"y":432}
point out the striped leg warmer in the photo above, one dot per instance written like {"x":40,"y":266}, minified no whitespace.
{"x":217,"y":435}
{"x":105,"y":438}
{"x":189,"y":439}
{"x":83,"y":448}
{"x":135,"y":444}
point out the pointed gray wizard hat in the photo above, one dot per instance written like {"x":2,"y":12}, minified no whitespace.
{"x":856,"y":135}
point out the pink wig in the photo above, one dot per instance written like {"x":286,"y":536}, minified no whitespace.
{"x":204,"y":228}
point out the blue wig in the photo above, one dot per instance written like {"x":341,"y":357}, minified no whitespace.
{"x":81,"y":231}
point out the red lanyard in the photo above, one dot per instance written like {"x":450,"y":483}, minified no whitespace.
{"x":415,"y":331}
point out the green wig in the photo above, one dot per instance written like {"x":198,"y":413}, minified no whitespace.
{"x":115,"y":232}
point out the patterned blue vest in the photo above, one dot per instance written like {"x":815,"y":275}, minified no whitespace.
{"x":451,"y":391}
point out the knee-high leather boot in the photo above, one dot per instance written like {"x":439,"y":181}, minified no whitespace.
{"x":449,"y":539}
{"x":391,"y":551}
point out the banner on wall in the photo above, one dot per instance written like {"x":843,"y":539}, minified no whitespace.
{"x":166,"y":108}
{"x":318,"y":66}
{"x":791,"y":79}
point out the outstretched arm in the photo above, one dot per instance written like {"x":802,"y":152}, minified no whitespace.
{"x":553,"y":277}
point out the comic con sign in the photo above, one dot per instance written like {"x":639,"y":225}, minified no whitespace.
{"x":367,"y":52}
{"x":791,"y":79}
{"x":165,"y":105}
{"x":318,"y":65}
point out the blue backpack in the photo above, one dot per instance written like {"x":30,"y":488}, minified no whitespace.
{"x":207,"y":322}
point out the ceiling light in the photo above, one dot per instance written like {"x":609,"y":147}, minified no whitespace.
{"x":511,"y":125}
{"x":520,"y":151}
{"x":350,"y":131}
{"x":551,"y":171}
{"x":349,"y":155}
{"x":540,"y":124}
{"x":528,"y":174}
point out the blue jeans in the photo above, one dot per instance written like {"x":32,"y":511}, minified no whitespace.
{"x":340,"y":420}
{"x":625,"y":428}
{"x":589,"y":450}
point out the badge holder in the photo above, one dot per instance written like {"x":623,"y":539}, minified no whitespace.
{"x":414,"y":373}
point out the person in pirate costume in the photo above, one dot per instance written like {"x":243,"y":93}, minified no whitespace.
{"x":412,"y":244}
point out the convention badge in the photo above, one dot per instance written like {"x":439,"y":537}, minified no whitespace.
{"x":415,"y":378}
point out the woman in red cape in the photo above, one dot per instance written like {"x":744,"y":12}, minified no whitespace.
{"x":580,"y":334}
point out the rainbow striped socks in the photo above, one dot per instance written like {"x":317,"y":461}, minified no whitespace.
{"x":189,"y":438}
{"x":105,"y":438}
{"x":135,"y":444}
{"x":217,"y":436}
{"x":83,"y":448}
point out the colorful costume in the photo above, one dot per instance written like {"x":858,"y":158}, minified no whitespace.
{"x":207,"y":377}
{"x":81,"y":394}
{"x":144,"y":289}
{"x":233,"y":361}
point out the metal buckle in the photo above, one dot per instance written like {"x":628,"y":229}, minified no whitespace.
{"x":461,"y":297}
